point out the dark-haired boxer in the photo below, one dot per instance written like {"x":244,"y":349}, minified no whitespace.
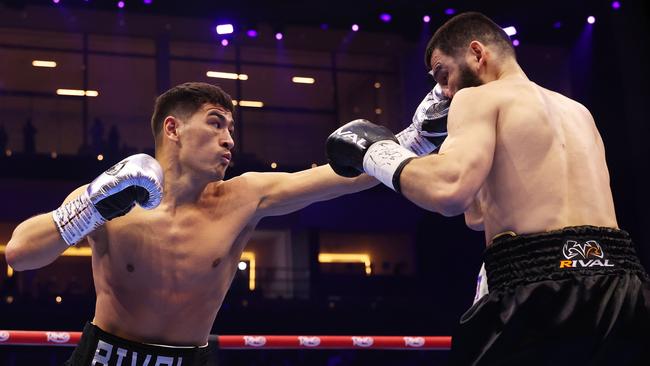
{"x":527,"y":166}
{"x":162,"y":267}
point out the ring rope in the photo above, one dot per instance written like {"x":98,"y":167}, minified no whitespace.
{"x":63,"y":338}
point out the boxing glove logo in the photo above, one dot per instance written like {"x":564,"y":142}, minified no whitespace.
{"x":348,"y":135}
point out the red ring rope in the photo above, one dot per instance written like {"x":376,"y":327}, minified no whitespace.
{"x":62,"y":338}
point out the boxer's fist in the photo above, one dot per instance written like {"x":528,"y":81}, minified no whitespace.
{"x":136,"y":179}
{"x":429,"y":127}
{"x":347,"y":146}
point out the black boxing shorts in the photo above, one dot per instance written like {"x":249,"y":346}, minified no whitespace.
{"x":98,"y":348}
{"x":575,"y":296}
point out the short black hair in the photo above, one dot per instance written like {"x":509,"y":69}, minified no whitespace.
{"x":453,"y":36}
{"x":184,"y":100}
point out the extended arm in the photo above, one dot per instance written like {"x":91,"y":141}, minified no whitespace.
{"x":283,"y":193}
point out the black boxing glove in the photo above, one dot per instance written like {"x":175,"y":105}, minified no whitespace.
{"x":361,"y":146}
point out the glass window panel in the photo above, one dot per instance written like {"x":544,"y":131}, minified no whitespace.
{"x":127,"y":91}
{"x":17,"y":72}
{"x":274,"y":87}
{"x":115,"y":44}
{"x":22,"y":37}
{"x":57,"y":122}
{"x":289,"y":139}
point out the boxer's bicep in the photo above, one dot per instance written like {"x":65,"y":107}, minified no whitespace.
{"x":448,"y":182}
{"x":283,"y":193}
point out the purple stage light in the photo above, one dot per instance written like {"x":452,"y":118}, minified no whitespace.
{"x":224,"y":42}
{"x":515,"y":42}
{"x":385,"y":17}
{"x":616,"y":5}
{"x":355,"y":27}
{"x":450,"y":11}
{"x":56,"y":1}
{"x":324,"y":26}
{"x":148,"y":2}
{"x":251,"y":33}
{"x":120,"y":4}
{"x":278,"y":36}
{"x":557,"y":25}
{"x":591,"y":19}
{"x":426,"y":19}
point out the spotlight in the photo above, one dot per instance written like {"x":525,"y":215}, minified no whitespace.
{"x":616,"y":5}
{"x":120,"y":4}
{"x":591,"y":19}
{"x":515,"y":42}
{"x":385,"y":17}
{"x":56,"y":1}
{"x":225,"y":29}
{"x":557,"y":25}
{"x":355,"y":27}
{"x":510,"y":31}
{"x":242,"y":266}
{"x":278,"y":36}
{"x":224,"y":42}
{"x":251,"y":33}
{"x":450,"y":11}
{"x":147,"y":2}
{"x":426,"y":19}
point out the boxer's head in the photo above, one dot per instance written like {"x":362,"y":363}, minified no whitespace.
{"x":193,"y":124}
{"x":461,"y":51}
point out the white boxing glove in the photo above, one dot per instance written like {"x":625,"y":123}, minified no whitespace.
{"x":429,"y":127}
{"x":136,"y":179}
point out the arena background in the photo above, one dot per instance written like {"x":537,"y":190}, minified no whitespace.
{"x":414,"y":272}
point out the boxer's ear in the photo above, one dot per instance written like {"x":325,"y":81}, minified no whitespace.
{"x":171,"y":126}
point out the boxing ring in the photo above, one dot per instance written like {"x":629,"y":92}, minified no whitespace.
{"x":239,"y":342}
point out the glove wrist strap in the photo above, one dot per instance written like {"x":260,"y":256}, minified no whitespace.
{"x":77,"y":218}
{"x":385,"y":160}
{"x":411,"y":139}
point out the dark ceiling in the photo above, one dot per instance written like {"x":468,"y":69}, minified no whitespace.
{"x":534,"y":19}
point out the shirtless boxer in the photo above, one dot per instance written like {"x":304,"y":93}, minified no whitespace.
{"x":161,"y":271}
{"x":527,"y":166}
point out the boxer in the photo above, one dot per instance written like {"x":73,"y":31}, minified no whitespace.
{"x":167,"y":233}
{"x":527,"y":166}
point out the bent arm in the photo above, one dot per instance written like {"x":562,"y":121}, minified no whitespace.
{"x":448,"y":182}
{"x":283,"y":193}
{"x":474,"y":216}
{"x":36,"y":242}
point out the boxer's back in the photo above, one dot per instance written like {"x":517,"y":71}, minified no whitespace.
{"x":161,"y":275}
{"x":549,"y":168}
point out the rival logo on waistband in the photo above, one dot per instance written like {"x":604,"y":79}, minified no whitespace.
{"x":107,"y":354}
{"x":583,"y":255}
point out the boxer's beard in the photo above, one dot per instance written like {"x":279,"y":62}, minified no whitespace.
{"x":467,"y":77}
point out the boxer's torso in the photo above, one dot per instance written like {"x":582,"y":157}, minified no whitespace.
{"x":161,"y":275}
{"x":549,"y":168}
